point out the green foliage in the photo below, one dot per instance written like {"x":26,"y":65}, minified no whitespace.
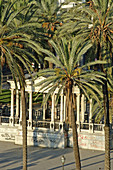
{"x":67,"y":69}
{"x":5,"y":96}
{"x":37,"y":99}
{"x":94,"y":21}
{"x":16,"y":46}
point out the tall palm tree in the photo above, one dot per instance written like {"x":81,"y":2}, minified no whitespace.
{"x":101,"y":31}
{"x":14,"y":45}
{"x":65,"y":75}
{"x":93,"y":20}
{"x":49,"y":16}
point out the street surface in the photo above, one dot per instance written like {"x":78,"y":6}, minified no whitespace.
{"x":49,"y":159}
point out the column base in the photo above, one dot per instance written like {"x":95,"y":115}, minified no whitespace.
{"x":52,"y":126}
{"x":16,"y":120}
{"x":61,"y":126}
{"x":20,"y":122}
{"x":91,"y":128}
{"x":29,"y":124}
{"x":78,"y":126}
{"x":11,"y":121}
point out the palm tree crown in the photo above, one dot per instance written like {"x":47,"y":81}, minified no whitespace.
{"x":67,"y":68}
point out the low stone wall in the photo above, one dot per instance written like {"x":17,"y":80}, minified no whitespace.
{"x":8,"y":133}
{"x":43,"y":138}
{"x":54,"y":139}
{"x":88,"y":141}
{"x":94,"y":141}
{"x":36,"y":137}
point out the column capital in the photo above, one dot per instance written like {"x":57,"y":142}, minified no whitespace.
{"x":78,"y":94}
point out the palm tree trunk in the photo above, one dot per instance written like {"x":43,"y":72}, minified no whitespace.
{"x":107,"y":129}
{"x":106,"y":122}
{"x":24,"y":129}
{"x":24,"y":121}
{"x":107,"y":147}
{"x":74,"y":130}
{"x":75,"y":143}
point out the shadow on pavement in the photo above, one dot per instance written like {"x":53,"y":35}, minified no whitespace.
{"x":11,"y":157}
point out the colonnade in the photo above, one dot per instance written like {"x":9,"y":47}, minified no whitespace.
{"x":18,"y":114}
{"x":80,"y":109}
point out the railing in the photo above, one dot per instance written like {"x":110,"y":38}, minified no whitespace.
{"x":7,"y":119}
{"x":91,"y":127}
{"x":4,"y":119}
{"x":98,"y":127}
{"x":47,"y":124}
{"x":88,"y":127}
{"x":41,"y":124}
{"x":84,"y":126}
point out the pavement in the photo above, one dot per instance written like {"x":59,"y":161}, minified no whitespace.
{"x":49,"y":159}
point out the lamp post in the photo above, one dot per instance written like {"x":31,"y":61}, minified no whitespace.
{"x":63,"y":161}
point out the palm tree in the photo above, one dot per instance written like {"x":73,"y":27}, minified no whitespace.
{"x":65,"y":75}
{"x":49,"y":15}
{"x":101,"y":34}
{"x":93,"y":21}
{"x":14,"y":45}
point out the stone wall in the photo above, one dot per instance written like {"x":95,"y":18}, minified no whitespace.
{"x":7,"y":133}
{"x":54,"y":139}
{"x":43,"y":138}
{"x":94,"y":141}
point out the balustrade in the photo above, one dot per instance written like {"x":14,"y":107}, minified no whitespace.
{"x":91,"y":127}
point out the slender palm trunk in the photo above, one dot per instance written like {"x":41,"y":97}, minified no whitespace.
{"x":24,"y":121}
{"x":106,"y":121}
{"x":24,"y":129}
{"x":107,"y":129}
{"x":74,"y":130}
{"x":107,"y":147}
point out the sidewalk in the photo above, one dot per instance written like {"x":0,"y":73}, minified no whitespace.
{"x":49,"y":159}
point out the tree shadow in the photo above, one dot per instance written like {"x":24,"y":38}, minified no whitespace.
{"x":13,"y":157}
{"x":87,"y":165}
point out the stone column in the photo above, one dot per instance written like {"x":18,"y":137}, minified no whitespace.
{"x":61,"y":113}
{"x":82,"y":108}
{"x":20,"y":120}
{"x":61,"y":109}
{"x":78,"y":108}
{"x":17,"y":103}
{"x":91,"y":126}
{"x":90,"y":113}
{"x":30,"y":110}
{"x":52,"y":112}
{"x":85,"y":103}
{"x":11,"y":119}
{"x":78,"y":112}
{"x":55,"y":108}
{"x":27,"y":103}
{"x":64,"y":108}
{"x":44,"y":108}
